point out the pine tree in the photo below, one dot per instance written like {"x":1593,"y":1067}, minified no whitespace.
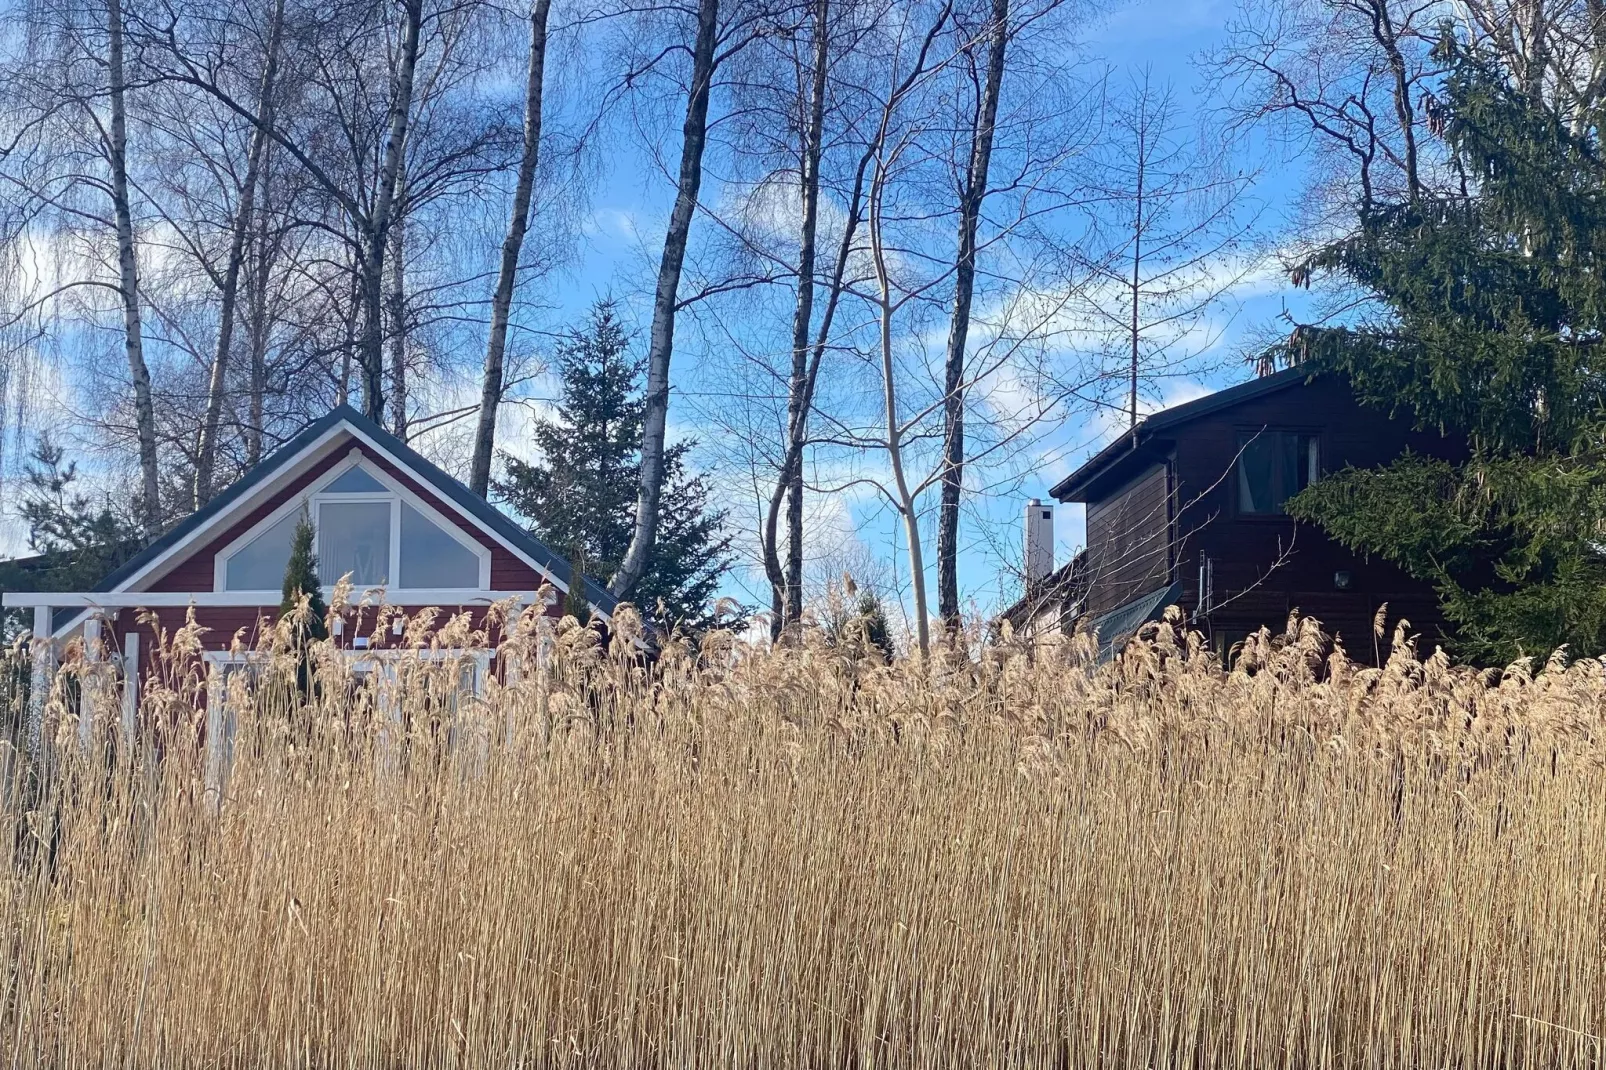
{"x":574,"y":601}
{"x":301,"y":578}
{"x":79,"y":539}
{"x":1494,"y":326}
{"x":581,"y":492}
{"x":873,"y":626}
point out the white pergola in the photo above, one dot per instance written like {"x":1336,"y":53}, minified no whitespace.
{"x":104,"y":606}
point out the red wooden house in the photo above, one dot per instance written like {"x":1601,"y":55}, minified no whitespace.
{"x":403,"y":531}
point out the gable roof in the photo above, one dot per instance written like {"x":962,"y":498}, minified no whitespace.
{"x":499,"y":525}
{"x":1064,"y":586}
{"x":1073,"y":486}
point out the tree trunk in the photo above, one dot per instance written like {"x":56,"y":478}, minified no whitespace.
{"x":822,"y":334}
{"x":1135,"y":326}
{"x":787,"y":588}
{"x":904,"y":498}
{"x":351,"y":324}
{"x":479,"y":480}
{"x":128,"y":278}
{"x":372,"y":354}
{"x":396,"y":303}
{"x":661,"y":344}
{"x":206,"y":461}
{"x":973,"y":193}
{"x":1384,"y":33}
{"x":258,"y":311}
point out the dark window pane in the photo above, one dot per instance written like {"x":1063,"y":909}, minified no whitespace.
{"x":1273,"y":466}
{"x":1258,"y":473}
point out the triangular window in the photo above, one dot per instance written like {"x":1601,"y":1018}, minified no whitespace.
{"x":259,"y":564}
{"x":430,"y":557}
{"x":355,"y":481}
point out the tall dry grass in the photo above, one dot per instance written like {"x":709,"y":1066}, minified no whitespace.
{"x":798,"y":858}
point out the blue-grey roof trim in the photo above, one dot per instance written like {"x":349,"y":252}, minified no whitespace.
{"x":1147,"y":428}
{"x":1112,"y":629}
{"x":500,"y":524}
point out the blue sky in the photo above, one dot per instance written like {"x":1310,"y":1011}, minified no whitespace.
{"x":619,"y":241}
{"x":625,"y":226}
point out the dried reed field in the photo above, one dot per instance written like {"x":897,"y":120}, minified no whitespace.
{"x":806,"y":858}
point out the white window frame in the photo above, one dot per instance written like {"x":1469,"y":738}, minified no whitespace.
{"x":315,"y":496}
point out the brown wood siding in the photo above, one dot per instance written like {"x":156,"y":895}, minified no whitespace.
{"x":1266,"y":567}
{"x":1128,"y":541}
{"x":195,"y":572}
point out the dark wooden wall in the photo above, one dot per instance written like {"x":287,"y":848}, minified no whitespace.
{"x":1128,"y":549}
{"x":1266,"y":567}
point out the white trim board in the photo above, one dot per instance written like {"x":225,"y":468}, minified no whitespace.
{"x":396,"y":596}
{"x":159,"y":565}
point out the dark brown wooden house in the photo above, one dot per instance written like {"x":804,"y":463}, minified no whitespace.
{"x":1186,"y":510}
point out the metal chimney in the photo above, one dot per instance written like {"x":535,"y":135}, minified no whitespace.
{"x":1039,"y":542}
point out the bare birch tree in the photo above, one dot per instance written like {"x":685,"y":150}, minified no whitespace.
{"x":661,"y":337}
{"x":128,"y":271}
{"x":972,"y":194}
{"x":229,"y":283}
{"x":491,"y":384}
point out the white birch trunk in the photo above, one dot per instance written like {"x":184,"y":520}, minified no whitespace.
{"x":128,"y":277}
{"x":372,"y":352}
{"x":905,"y":498}
{"x":661,"y":344}
{"x":518,"y":223}
{"x":206,"y":454}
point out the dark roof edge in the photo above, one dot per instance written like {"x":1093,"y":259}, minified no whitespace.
{"x":231,"y":494}
{"x":501,"y":525}
{"x":1095,"y":466}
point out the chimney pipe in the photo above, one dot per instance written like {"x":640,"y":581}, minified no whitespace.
{"x":1039,"y":542}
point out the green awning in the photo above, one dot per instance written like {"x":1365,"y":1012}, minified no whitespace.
{"x":1114,"y":628}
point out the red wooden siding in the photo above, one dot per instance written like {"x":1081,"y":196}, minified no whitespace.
{"x":195,"y":571}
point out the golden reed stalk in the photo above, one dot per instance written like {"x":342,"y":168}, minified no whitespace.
{"x":805,"y":858}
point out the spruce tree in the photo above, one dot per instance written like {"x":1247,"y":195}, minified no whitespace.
{"x":301,"y":578}
{"x":873,"y":624}
{"x":581,"y":491}
{"x":574,"y":601}
{"x":1492,"y":325}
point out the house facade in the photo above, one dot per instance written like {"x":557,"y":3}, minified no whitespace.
{"x":1186,"y":509}
{"x":404,"y":531}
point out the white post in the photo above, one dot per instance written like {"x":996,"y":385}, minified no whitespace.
{"x":44,"y":657}
{"x":90,"y":696}
{"x":130,"y":685}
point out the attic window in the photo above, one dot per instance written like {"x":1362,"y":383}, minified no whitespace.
{"x":259,"y":564}
{"x":365,"y":528}
{"x":1273,"y":466}
{"x":355,"y":481}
